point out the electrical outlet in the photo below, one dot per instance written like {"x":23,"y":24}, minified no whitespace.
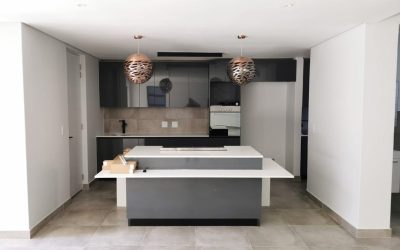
{"x":164,"y":124}
{"x":174,"y":124}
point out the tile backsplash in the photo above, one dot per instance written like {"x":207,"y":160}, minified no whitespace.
{"x":144,"y":121}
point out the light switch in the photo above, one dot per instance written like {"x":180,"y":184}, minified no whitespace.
{"x":164,"y":124}
{"x":174,"y":124}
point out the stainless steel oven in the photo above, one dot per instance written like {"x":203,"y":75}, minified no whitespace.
{"x":224,"y":120}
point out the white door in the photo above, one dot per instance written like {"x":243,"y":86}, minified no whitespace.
{"x":74,"y":118}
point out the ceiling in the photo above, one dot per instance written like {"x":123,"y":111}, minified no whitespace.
{"x":105,"y":28}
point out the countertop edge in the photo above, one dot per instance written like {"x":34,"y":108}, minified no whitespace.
{"x":149,"y":136}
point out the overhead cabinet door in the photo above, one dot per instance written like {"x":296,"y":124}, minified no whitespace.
{"x":113,"y":84}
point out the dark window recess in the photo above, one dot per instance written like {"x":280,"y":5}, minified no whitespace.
{"x":304,"y":119}
{"x":303,"y":157}
{"x":306,"y":89}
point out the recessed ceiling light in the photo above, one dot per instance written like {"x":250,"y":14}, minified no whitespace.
{"x":288,"y":5}
{"x":81,"y":5}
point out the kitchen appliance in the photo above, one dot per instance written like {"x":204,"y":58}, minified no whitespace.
{"x":224,"y":120}
{"x":224,"y":93}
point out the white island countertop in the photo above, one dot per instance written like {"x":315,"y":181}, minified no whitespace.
{"x":270,"y":170}
{"x":230,"y":152}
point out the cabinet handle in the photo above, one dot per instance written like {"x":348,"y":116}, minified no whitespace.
{"x":70,"y":137}
{"x":395,"y":161}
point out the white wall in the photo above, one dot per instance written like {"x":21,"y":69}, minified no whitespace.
{"x":335,"y":122}
{"x":92,"y":118}
{"x":378,"y":123}
{"x":290,"y":124}
{"x":263,"y":118}
{"x":271,"y":119}
{"x":352,"y":88}
{"x":46,"y":112}
{"x":293,"y":120}
{"x":14,"y":184}
{"x":46,"y":103}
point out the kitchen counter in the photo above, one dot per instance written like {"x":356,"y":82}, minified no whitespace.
{"x":140,"y":152}
{"x":212,"y":186}
{"x":194,"y":187}
{"x":270,"y":170}
{"x":127,"y":135}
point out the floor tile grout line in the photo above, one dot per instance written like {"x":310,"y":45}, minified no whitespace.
{"x":105,"y":217}
{"x":91,"y":237}
{"x":293,"y":230}
{"x":247,"y":238}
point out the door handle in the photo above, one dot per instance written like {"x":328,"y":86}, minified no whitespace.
{"x":70,"y":137}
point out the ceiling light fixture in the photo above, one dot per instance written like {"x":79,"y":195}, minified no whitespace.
{"x":138,"y":67}
{"x":288,"y":5}
{"x":81,"y":5}
{"x":241,"y":69}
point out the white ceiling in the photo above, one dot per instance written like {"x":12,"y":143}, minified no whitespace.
{"x":104,"y":28}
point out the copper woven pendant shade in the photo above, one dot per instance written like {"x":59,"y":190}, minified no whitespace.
{"x":241,"y":70}
{"x":138,"y":68}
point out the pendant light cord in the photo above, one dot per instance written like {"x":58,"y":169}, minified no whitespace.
{"x":138,"y":46}
{"x":241,"y":47}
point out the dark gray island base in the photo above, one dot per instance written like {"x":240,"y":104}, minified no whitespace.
{"x":194,"y":201}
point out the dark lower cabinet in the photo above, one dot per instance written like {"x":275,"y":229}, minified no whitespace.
{"x":109,"y":147}
{"x":193,"y":141}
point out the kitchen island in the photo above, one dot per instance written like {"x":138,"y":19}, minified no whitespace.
{"x":203,"y":186}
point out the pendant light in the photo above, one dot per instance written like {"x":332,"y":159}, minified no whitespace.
{"x":138,"y":67}
{"x":241,"y":69}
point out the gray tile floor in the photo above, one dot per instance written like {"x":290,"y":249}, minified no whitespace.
{"x":293,"y":222}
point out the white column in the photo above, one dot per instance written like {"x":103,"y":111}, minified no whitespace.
{"x":121,"y":192}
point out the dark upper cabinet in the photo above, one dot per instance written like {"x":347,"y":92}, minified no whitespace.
{"x":188,"y":86}
{"x":112,"y":85}
{"x":189,"y":82}
{"x":275,"y":70}
{"x":267,"y":70}
{"x":218,"y":70}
